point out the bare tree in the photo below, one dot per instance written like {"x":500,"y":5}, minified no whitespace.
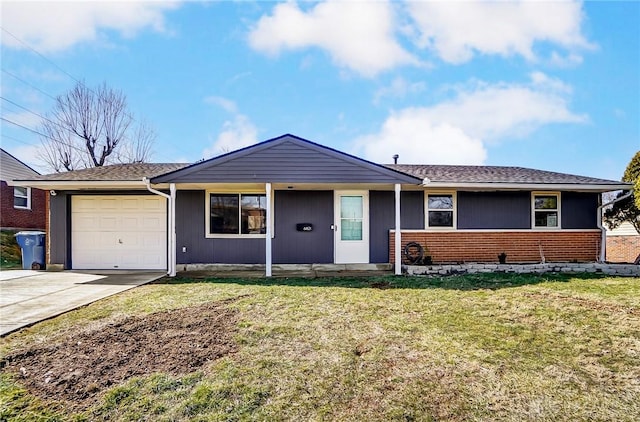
{"x":91,"y":128}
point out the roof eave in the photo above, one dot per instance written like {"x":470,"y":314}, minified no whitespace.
{"x":587,"y":187}
{"x":80,"y":184}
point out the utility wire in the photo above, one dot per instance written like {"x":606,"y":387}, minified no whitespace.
{"x":41,"y":134}
{"x":27,"y":83}
{"x":41,"y":55}
{"x":32,"y":112}
{"x":4,"y":135}
{"x":49,"y":120}
{"x":53,"y":64}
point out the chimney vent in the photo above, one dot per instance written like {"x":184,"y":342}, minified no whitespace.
{"x":395,"y":158}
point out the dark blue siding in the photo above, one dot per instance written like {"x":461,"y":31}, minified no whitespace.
{"x":382,"y":219}
{"x":294,"y":247}
{"x":494,"y":210}
{"x":579,"y":210}
{"x":287,"y":161}
{"x":190,"y":232}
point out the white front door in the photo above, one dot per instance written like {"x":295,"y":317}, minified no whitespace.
{"x":351,"y":227}
{"x":118,"y":232}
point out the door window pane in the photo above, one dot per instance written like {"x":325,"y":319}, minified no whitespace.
{"x":351,"y":216}
{"x":351,"y":206}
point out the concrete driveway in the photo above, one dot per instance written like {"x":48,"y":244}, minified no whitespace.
{"x":27,"y":297}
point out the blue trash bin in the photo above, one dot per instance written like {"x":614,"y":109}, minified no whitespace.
{"x":32,"y":245}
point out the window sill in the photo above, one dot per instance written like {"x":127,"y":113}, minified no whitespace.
{"x":235,"y":236}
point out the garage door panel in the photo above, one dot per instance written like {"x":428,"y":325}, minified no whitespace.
{"x":130,"y":222}
{"x":108,"y":223}
{"x":86,"y":222}
{"x":153,"y":206}
{"x":152,"y":223}
{"x":123,"y":232}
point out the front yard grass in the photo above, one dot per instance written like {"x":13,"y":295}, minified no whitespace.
{"x":474,"y":347}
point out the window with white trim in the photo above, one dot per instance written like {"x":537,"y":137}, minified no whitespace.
{"x":546,"y":210}
{"x":22,"y":198}
{"x":236,"y":214}
{"x":440,"y":208}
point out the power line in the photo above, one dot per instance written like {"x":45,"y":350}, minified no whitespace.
{"x":71,"y":131}
{"x":4,"y":135}
{"x":30,"y":111}
{"x":27,"y":83}
{"x":41,"y":134}
{"x":42,"y":91}
{"x":41,"y":55}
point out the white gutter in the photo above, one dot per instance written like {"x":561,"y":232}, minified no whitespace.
{"x":603,"y":237}
{"x":532,"y":186}
{"x":171,"y":237}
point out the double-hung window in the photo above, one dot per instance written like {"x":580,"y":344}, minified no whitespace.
{"x":546,"y":210}
{"x":236,"y":214}
{"x":22,"y":198}
{"x":440,"y":210}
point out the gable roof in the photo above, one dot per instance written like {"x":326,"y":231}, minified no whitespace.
{"x":286,"y":159}
{"x":498,"y":176}
{"x":12,"y":168}
{"x":289,"y":158}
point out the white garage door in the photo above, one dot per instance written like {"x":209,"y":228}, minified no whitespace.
{"x":119,"y":232}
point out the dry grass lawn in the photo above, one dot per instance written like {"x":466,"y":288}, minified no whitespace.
{"x":486,"y":347}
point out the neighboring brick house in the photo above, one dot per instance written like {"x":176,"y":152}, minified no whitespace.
{"x":623,"y":244}
{"x":20,"y":207}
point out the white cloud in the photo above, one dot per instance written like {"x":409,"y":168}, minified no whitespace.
{"x":237,"y":133}
{"x":225,"y":103}
{"x":418,"y":140}
{"x":399,"y":88}
{"x":502,"y":110}
{"x":457,"y":131}
{"x":55,"y":26}
{"x":459,"y":30}
{"x":358,"y":35}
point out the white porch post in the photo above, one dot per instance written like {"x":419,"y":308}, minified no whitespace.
{"x":172,"y":230}
{"x":267,"y":249}
{"x":398,"y":234}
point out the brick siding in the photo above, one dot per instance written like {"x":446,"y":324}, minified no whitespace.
{"x":16,"y":218}
{"x":520,"y":246}
{"x":623,"y":248}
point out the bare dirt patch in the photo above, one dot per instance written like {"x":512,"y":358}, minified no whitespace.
{"x":80,"y":366}
{"x":588,"y":303}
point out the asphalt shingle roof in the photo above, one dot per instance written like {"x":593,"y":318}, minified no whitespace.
{"x":493,"y":174}
{"x":435,"y":173}
{"x":114,"y":172}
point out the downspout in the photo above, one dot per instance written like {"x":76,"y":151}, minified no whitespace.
{"x":171,"y":238}
{"x":603,"y":236}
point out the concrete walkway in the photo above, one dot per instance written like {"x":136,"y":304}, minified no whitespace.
{"x":27,"y":297}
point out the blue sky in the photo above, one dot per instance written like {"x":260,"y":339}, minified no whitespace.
{"x":548,"y":85}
